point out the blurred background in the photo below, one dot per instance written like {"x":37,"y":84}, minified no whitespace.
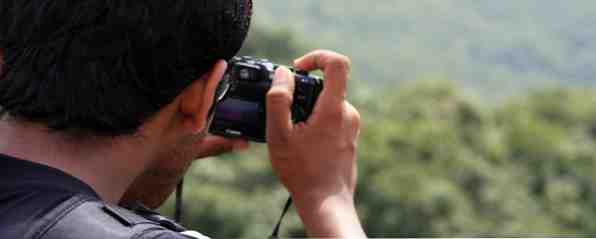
{"x":480,"y":118}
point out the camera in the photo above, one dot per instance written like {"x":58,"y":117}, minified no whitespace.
{"x":241,"y":103}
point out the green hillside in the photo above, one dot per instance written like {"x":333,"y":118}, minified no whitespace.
{"x":496,"y":46}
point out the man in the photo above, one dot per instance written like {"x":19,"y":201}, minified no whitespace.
{"x":106,"y":103}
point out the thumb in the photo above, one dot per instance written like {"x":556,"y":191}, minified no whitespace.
{"x":279,"y":103}
{"x":215,"y":146}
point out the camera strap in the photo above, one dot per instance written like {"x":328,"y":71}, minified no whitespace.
{"x":179,"y":202}
{"x":179,"y":205}
{"x":275,"y":233}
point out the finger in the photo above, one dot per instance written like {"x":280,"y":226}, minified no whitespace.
{"x":279,"y":102}
{"x":214,"y":141}
{"x":336,"y":68}
{"x":215,"y":146}
{"x":354,"y":118}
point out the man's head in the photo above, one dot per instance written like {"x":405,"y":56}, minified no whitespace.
{"x":119,"y":68}
{"x":105,"y":66}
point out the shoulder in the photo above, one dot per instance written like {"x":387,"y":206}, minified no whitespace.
{"x":97,"y":220}
{"x":161,"y":235}
{"x":173,"y":235}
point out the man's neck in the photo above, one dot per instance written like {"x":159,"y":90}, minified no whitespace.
{"x":109,"y":166}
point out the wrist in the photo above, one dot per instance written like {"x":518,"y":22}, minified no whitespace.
{"x":325,"y":208}
{"x":330,"y":216}
{"x":318,"y":200}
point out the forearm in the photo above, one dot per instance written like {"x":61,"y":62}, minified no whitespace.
{"x":331,"y":217}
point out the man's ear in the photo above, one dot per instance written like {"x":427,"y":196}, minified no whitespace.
{"x":197,"y":99}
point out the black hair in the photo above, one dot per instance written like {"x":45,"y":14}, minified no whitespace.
{"x":105,"y":66}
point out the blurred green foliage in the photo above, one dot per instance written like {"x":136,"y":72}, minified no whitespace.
{"x":433,"y":162}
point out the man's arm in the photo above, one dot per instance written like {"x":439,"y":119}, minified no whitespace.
{"x":316,"y":160}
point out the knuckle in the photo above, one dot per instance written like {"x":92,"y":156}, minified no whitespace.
{"x":323,"y":53}
{"x":352,"y":147}
{"x":332,"y":59}
{"x":356,"y":120}
{"x":319,"y":57}
{"x":320,"y":52}
{"x":279,"y":153}
{"x":340,"y":62}
{"x":346,"y":60}
{"x":279,"y":141}
{"x":354,"y":114}
{"x":277,"y":137}
{"x":279,"y":97}
{"x":348,"y":145}
{"x":335,"y":114}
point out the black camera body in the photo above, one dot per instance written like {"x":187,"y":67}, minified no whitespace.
{"x":241,"y":111}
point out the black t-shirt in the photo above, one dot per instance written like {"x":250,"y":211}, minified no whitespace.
{"x":29,"y":191}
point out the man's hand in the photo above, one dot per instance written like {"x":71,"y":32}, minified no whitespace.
{"x":316,"y":160}
{"x":213,"y":146}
